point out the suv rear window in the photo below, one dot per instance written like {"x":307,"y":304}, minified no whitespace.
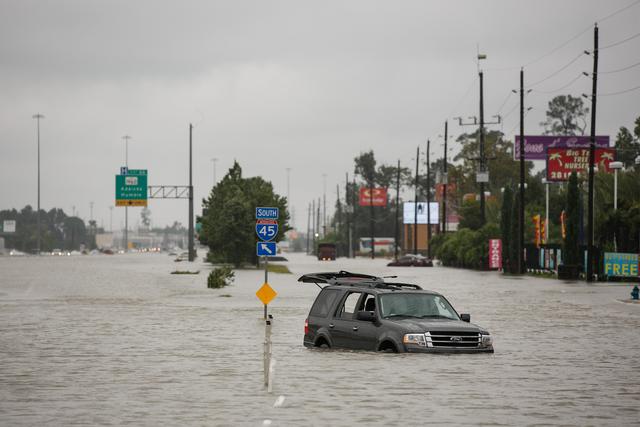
{"x":324,"y":302}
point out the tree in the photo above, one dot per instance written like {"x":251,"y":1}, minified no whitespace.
{"x":628,"y":147}
{"x":566,"y":115}
{"x":506,"y":216}
{"x":571,"y":245}
{"x":228,"y":216}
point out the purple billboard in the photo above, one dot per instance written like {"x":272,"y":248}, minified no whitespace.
{"x":535,"y":146}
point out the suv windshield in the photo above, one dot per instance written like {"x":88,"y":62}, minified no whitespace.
{"x":416,"y":305}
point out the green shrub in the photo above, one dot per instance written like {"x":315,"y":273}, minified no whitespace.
{"x":466,"y":248}
{"x":220,"y":277}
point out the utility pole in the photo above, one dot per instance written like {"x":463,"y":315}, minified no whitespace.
{"x":324,"y":205}
{"x":111,"y":219}
{"x":318,"y":218}
{"x":397,"y":230}
{"x":353,"y":217}
{"x":126,"y":208}
{"x":592,"y":147}
{"x":289,"y":205}
{"x":372,"y":220}
{"x":339,"y":214}
{"x":521,"y":267}
{"x":192,"y":254}
{"x":428,"y":202}
{"x":415,"y":206}
{"x":313,"y":225}
{"x":90,"y":211}
{"x":308,"y":226}
{"x":348,"y":211}
{"x":38,"y":116}
{"x":445,"y":180}
{"x":482,"y":159}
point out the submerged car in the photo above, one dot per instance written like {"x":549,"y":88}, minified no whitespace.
{"x":411,"y":260}
{"x":359,"y":311}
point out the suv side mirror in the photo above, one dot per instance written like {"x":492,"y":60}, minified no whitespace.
{"x":367,"y":316}
{"x":465,"y":317}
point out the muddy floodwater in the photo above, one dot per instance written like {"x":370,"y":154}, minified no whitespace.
{"x":92,"y":340}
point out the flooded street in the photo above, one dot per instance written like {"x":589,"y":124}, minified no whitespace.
{"x":92,"y":340}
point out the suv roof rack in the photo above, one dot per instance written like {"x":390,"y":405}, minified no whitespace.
{"x":353,"y":279}
{"x":339,"y":276}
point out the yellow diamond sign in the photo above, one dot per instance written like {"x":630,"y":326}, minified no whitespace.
{"x":266,"y":294}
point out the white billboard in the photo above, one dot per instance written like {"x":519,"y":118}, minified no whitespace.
{"x":409,"y":213}
{"x":9,"y":226}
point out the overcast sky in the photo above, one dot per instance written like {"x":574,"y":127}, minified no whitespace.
{"x":275,"y":85}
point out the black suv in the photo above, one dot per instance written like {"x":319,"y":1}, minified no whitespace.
{"x":358,"y":311}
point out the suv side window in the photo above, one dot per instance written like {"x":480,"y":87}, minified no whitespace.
{"x":368,"y":303}
{"x":324,"y":302}
{"x":349,"y":305}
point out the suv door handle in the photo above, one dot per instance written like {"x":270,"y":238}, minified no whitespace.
{"x":355,"y":328}
{"x":331,"y":325}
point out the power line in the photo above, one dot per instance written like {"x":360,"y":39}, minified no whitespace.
{"x":466,"y":94}
{"x":619,"y":11}
{"x":619,"y":92}
{"x":564,"y":67}
{"x":554,"y":50}
{"x":504,"y":102}
{"x":620,"y":42}
{"x":562,"y":87}
{"x":619,"y":69}
{"x":557,"y":48}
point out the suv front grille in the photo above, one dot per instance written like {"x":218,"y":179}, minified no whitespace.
{"x":452,"y":339}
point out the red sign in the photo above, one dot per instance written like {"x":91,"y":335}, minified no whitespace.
{"x":373,"y":196}
{"x":495,"y":254}
{"x":562,"y":161}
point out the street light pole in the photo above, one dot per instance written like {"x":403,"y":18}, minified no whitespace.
{"x":38,"y":116}
{"x":428,"y":202}
{"x":192,"y":254}
{"x":615,"y":166}
{"x":126,"y":208}
{"x":592,"y":149}
{"x":445,"y":180}
{"x":415,"y":206}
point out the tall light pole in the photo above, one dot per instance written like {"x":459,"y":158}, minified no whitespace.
{"x":615,"y":166}
{"x":192,"y":251}
{"x":126,"y":208}
{"x":324,"y":205}
{"x":289,"y":197}
{"x":38,"y":116}
{"x":111,"y":219}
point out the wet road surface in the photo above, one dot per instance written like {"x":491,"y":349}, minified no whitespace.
{"x":117,"y":340}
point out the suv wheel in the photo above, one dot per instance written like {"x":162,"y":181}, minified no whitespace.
{"x":322,"y":343}
{"x":388,"y":347}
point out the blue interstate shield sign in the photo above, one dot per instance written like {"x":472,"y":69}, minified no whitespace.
{"x":267,"y":212}
{"x":266,"y":249}
{"x":266,"y":229}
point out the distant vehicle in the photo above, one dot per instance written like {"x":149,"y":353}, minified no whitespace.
{"x":326,"y":251}
{"x":57,"y":252}
{"x":358,"y":311}
{"x":411,"y":260}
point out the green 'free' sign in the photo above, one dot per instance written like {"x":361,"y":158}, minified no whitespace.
{"x":131,"y":189}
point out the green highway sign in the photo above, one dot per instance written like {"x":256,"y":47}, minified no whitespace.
{"x":131,"y":189}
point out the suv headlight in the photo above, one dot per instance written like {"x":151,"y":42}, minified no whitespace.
{"x":486,"y":340}
{"x":415,"y":339}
